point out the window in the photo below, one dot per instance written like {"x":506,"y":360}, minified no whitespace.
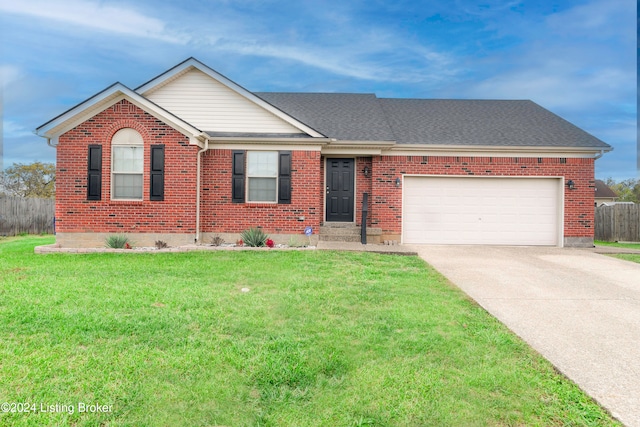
{"x":127,"y":165}
{"x":262,"y":176}
{"x":267,"y":176}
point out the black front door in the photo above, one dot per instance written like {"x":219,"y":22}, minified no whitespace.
{"x":340,"y":190}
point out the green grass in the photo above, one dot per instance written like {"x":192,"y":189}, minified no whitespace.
{"x":319,"y":339}
{"x":628,"y":257}
{"x":618,"y":245}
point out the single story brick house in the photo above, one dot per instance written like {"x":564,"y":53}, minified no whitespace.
{"x":191,"y":154}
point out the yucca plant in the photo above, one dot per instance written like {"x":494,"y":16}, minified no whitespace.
{"x":117,"y":241}
{"x":254,"y":237}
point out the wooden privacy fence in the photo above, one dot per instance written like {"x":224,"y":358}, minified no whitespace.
{"x":26,"y":215}
{"x":618,"y":223}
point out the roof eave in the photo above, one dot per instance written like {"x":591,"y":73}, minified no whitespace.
{"x":268,"y":140}
{"x":595,"y":151}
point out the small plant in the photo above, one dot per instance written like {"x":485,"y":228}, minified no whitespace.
{"x":161,"y":244}
{"x":254,"y":237}
{"x":217,"y":240}
{"x":118,"y":241}
{"x":270,"y":243}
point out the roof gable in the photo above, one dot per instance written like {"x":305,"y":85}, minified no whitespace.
{"x":214,"y":103}
{"x":103,"y":100}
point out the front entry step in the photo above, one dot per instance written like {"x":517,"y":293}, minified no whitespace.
{"x":340,"y":232}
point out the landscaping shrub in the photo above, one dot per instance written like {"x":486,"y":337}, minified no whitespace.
{"x":254,"y":237}
{"x":118,"y":241}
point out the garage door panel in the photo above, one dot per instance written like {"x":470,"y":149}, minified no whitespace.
{"x":479,"y":210}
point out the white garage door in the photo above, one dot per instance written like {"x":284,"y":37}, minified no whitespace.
{"x":480,"y":210}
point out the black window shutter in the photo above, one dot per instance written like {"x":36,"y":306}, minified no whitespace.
{"x":237,"y":177}
{"x":156,"y":180}
{"x":94,"y":173}
{"x":284,"y":177}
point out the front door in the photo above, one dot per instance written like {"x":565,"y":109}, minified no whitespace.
{"x":340,"y":190}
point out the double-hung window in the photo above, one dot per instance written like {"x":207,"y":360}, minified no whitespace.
{"x":262,"y":176}
{"x":127,"y":147}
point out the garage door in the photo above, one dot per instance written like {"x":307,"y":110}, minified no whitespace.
{"x":480,"y":210}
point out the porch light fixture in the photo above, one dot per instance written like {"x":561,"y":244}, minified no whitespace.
{"x":571,"y":185}
{"x":365,"y":171}
{"x":398,"y":182}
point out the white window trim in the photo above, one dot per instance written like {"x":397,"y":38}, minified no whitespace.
{"x":126,"y":137}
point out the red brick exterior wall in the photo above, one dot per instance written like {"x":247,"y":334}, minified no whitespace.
{"x":220,"y":215}
{"x":177,"y":213}
{"x":76,"y":214}
{"x":386,"y":198}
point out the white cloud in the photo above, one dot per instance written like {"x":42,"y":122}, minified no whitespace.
{"x":377,"y":56}
{"x":8,"y":74}
{"x":95,"y":15}
{"x":14,"y":130}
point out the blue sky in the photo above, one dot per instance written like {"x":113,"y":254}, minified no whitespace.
{"x":576,"y":58}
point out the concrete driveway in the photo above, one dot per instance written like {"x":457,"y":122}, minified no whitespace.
{"x":579,"y":309}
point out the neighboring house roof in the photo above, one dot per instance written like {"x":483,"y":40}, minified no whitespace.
{"x":603,"y":190}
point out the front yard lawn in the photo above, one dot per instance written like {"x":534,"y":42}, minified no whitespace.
{"x":262,"y":338}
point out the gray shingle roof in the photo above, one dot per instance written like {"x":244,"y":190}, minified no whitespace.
{"x":345,"y":116}
{"x":482,"y":122}
{"x":364,"y":117}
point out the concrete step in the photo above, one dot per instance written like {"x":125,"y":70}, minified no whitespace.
{"x":339,"y":232}
{"x":338,"y":238}
{"x":334,"y":224}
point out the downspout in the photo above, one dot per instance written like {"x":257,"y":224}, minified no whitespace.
{"x":599,"y":155}
{"x":205,"y":148}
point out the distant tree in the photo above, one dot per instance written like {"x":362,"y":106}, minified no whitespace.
{"x":627,"y":190}
{"x":36,"y":179}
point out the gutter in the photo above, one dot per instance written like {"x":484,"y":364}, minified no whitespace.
{"x":600,"y":154}
{"x":199,"y":156}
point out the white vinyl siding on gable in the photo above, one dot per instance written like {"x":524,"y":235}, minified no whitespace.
{"x":211,"y":106}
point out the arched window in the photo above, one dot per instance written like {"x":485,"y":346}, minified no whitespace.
{"x":127,"y":160}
